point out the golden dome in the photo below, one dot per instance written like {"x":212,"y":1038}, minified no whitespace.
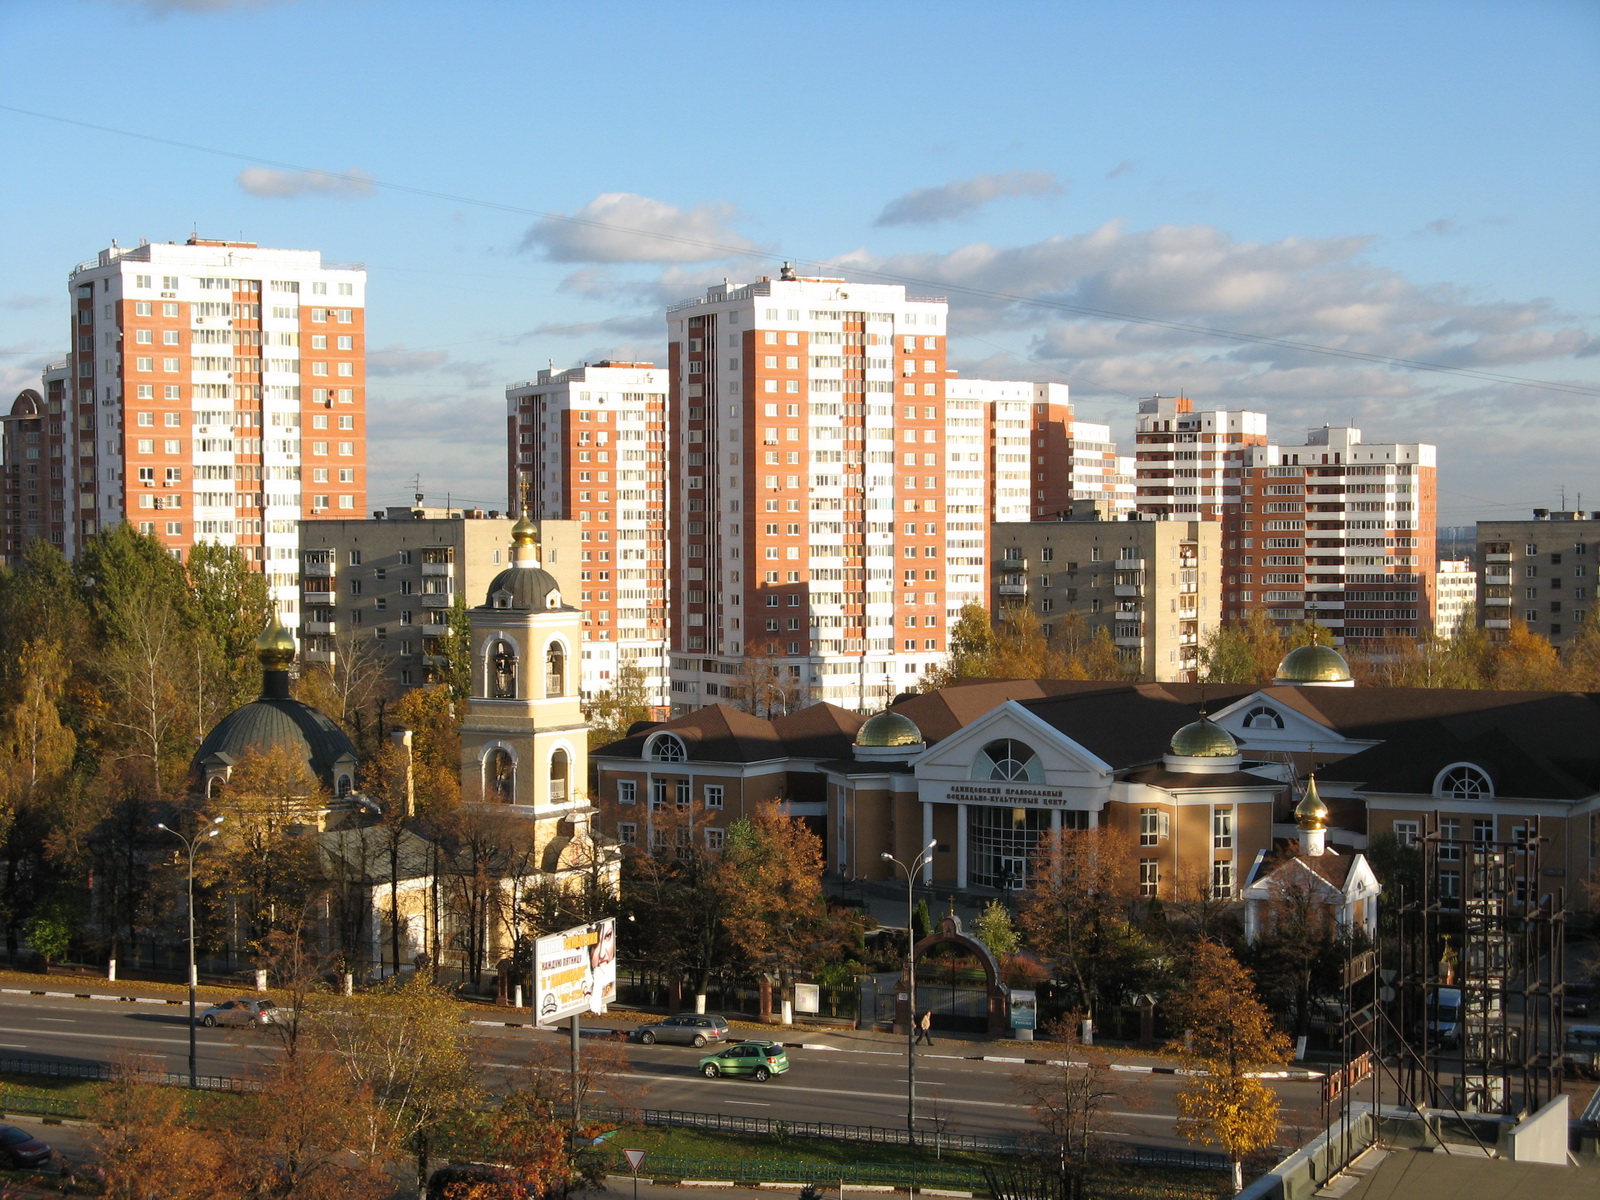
{"x":1313,"y":664}
{"x":1203,"y":739}
{"x":1311,"y":813}
{"x":524,"y":532}
{"x":275,"y":645}
{"x":889,"y":729}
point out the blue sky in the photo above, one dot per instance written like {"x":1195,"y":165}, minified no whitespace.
{"x":1404,"y":179}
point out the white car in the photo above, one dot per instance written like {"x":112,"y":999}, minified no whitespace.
{"x":240,"y":1012}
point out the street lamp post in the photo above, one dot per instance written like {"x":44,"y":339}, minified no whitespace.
{"x":190,"y":845}
{"x":910,"y":872}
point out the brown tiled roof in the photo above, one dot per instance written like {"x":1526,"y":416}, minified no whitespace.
{"x":1537,"y":745}
{"x":719,"y":733}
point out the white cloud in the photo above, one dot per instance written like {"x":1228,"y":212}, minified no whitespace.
{"x":620,"y":227}
{"x":287,"y":185}
{"x":962,"y":198}
{"x":397,"y":360}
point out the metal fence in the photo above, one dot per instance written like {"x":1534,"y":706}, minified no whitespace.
{"x":22,"y":1104}
{"x":104,"y":1072}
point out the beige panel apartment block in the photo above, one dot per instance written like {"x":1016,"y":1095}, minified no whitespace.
{"x":1541,"y":572}
{"x":382,"y":588}
{"x":1155,"y":586}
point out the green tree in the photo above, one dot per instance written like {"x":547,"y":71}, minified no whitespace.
{"x":457,"y":671}
{"x":407,"y":1044}
{"x":994,"y":929}
{"x":619,"y":707}
{"x":971,"y":649}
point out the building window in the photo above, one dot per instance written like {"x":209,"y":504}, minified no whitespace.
{"x":628,"y":833}
{"x":714,"y":839}
{"x":1222,"y":880}
{"x":713,"y":795}
{"x":666,"y":747}
{"x":1483,"y":829}
{"x":1222,"y":829}
{"x":1149,"y":876}
{"x":1405,"y":833}
{"x":1262,"y":717}
{"x":1450,"y":840}
{"x":1463,"y":781}
{"x":658,"y":794}
{"x":1005,"y":759}
{"x":1155,"y":826}
{"x":681,"y":793}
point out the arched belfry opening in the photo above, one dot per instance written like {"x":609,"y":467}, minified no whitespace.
{"x":502,"y":670}
{"x":555,"y":670}
{"x":499,"y":776}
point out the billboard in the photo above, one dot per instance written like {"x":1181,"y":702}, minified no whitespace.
{"x":575,"y":971}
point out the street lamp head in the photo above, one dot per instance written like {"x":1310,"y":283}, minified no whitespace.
{"x":886,"y":856}
{"x":210,"y":833}
{"x":162,"y":825}
{"x":931,"y":844}
{"x":217,"y":820}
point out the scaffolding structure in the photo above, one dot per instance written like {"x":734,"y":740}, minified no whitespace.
{"x":1482,"y":973}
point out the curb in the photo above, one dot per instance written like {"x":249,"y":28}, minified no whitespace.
{"x":1133,"y":1069}
{"x":91,"y":996}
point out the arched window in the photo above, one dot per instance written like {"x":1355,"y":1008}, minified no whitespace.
{"x":343,"y":787}
{"x":499,"y":776}
{"x":1008,"y":760}
{"x":559,"y":766}
{"x":1463,"y":781}
{"x":665,"y":747}
{"x":555,"y":670}
{"x":1262,"y":717}
{"x":503,"y":671}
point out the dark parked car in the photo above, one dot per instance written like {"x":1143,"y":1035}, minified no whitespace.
{"x":689,"y":1029}
{"x":1579,"y":1000}
{"x":22,"y":1149}
{"x":240,"y":1012}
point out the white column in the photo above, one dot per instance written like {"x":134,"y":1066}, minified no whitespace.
{"x":961,"y":847}
{"x":927,"y":836}
{"x":1055,"y":823}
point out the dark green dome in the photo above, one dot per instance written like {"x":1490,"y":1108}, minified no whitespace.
{"x":525,"y":588}
{"x":273,"y":722}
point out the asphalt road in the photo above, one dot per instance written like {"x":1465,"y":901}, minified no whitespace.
{"x":862,"y":1081}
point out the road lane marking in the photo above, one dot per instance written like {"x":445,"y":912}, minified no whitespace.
{"x":60,"y":1020}
{"x":751,"y":1103}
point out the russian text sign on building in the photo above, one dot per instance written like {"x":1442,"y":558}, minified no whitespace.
{"x":576,"y":971}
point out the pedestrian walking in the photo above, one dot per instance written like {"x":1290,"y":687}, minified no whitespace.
{"x":925,"y":1027}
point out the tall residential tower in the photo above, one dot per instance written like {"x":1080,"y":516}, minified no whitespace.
{"x":219,"y":394}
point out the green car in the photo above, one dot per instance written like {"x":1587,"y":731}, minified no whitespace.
{"x":759,"y":1060}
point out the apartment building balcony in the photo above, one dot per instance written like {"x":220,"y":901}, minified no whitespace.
{"x":1501,"y":577}
{"x":1128,"y":589}
{"x":311,"y":627}
{"x":444,"y":569}
{"x":1011,"y":565}
{"x":317,"y":570}
{"x":1130,"y":564}
{"x":1189,"y":614}
{"x":1497,"y":601}
{"x":319,"y":656}
{"x":1496,"y":623}
{"x":1012,"y":589}
{"x":1128,"y":642}
{"x":437,"y":599}
{"x":1497,"y":558}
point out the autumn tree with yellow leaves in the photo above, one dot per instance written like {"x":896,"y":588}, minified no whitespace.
{"x":1228,"y":1039}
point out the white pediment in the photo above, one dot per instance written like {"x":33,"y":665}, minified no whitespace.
{"x":1261,"y":721}
{"x":1063,"y":774}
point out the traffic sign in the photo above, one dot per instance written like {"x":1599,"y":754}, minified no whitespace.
{"x":635,"y":1158}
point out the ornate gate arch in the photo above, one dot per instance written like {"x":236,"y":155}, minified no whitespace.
{"x":998,"y":1002}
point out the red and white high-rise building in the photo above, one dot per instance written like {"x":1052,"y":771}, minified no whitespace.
{"x":1189,"y":463}
{"x":218,"y":393}
{"x":832,"y":486}
{"x":590,"y":444}
{"x":1338,"y":531}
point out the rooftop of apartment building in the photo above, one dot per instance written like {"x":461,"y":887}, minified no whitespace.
{"x":196,"y":249}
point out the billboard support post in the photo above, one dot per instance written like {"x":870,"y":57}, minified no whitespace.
{"x":577,"y":1119}
{"x":575,"y":972}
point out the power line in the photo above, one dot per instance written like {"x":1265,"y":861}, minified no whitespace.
{"x":724,"y":250}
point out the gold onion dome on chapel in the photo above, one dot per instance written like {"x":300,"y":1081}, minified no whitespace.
{"x":1313,"y":664}
{"x":524,"y":532}
{"x":1311,"y":812}
{"x":1203,"y":739}
{"x":275,"y":645}
{"x":889,"y":729}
